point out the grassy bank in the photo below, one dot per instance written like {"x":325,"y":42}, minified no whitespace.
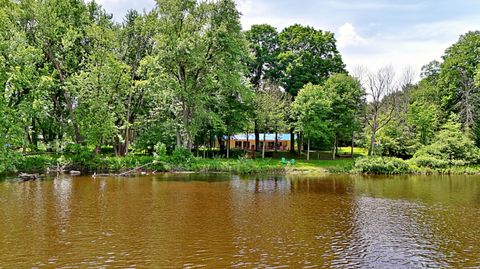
{"x":111,"y":164}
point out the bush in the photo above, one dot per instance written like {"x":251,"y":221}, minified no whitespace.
{"x":8,"y":161}
{"x":182,"y":156}
{"x":36,"y":163}
{"x":451,"y":148}
{"x":381,"y":165}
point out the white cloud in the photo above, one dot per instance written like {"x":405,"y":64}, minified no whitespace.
{"x":347,"y":36}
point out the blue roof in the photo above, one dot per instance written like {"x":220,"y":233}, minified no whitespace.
{"x":281,"y":137}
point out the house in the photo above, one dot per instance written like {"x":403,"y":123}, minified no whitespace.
{"x":241,"y":141}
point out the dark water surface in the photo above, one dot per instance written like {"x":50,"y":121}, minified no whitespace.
{"x":218,"y":221}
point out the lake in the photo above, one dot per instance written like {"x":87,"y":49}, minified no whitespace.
{"x":221,"y":220}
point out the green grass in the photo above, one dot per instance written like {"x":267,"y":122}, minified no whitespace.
{"x":111,"y":164}
{"x":323,"y":166}
{"x":245,"y":166}
{"x":356,"y":151}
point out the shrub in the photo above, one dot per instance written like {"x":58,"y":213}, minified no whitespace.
{"x":8,"y":160}
{"x":451,"y":148}
{"x":381,"y":165}
{"x":35,"y":163}
{"x":182,"y":156}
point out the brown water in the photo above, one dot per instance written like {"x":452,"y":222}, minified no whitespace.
{"x":218,"y":221}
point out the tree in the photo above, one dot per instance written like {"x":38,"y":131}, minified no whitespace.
{"x":198,"y":51}
{"x":424,"y":113}
{"x":263,"y":64}
{"x":136,"y":42}
{"x":451,"y":148}
{"x":381,"y":87}
{"x":347,"y":105}
{"x":307,"y":56}
{"x":312,"y":109}
{"x":456,"y":82}
{"x":24,"y":82}
{"x":270,"y":105}
{"x":58,"y":28}
{"x":100,"y":87}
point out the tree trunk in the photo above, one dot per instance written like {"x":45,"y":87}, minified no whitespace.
{"x":228,"y":147}
{"x":245,"y":149}
{"x":263,"y":147}
{"x":34,"y":136}
{"x":276,"y":141}
{"x":353,"y":144}
{"x":26,"y":140}
{"x":211,"y":141}
{"x":257,"y":137}
{"x":300,"y":141}
{"x":372,"y":143}
{"x":178,"y":136}
{"x":292,"y":141}
{"x":222,"y":146}
{"x":308,"y":150}
{"x":334,"y":148}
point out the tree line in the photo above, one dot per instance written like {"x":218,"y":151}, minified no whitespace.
{"x":185,"y":74}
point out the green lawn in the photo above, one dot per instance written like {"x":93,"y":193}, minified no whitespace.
{"x":322,"y":166}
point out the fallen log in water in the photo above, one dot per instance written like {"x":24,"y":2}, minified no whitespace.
{"x":28,"y":177}
{"x":75,"y":173}
{"x":127,"y":173}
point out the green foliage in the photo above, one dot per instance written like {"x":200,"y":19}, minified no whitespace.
{"x":271,"y":106}
{"x":397,"y":140}
{"x":311,"y":110}
{"x":74,"y":80}
{"x":423,"y":116}
{"x":347,"y":104}
{"x":307,"y":56}
{"x":451,"y":147}
{"x":263,"y":44}
{"x":35,"y":163}
{"x":456,"y":79}
{"x":199,"y":63}
{"x":182,"y":156}
{"x":381,"y":165}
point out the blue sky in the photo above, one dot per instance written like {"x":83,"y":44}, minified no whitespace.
{"x":370,"y":33}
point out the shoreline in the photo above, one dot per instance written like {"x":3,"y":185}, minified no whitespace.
{"x":115,"y":166}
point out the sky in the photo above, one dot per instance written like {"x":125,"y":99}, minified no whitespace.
{"x":369,"y":33}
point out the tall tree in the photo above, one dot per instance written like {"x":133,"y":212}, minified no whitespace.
{"x":271,"y":103}
{"x":347,"y":105}
{"x":307,"y":56}
{"x":136,"y":43}
{"x":58,"y":28}
{"x":312,"y":109}
{"x":456,"y":82}
{"x":381,"y":88}
{"x":198,"y":51}
{"x":100,"y":86}
{"x":262,"y":65}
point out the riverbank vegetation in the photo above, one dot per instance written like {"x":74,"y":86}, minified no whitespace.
{"x":169,"y":86}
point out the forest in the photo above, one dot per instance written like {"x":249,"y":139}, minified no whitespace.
{"x":78,"y":86}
